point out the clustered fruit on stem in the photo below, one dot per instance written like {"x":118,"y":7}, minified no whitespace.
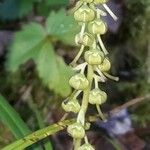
{"x":88,"y":74}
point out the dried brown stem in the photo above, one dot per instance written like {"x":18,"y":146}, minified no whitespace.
{"x":130,"y":103}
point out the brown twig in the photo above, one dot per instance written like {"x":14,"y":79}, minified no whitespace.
{"x":129,"y":103}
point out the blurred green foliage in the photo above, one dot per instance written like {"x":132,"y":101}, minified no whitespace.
{"x":36,"y":42}
{"x":39,"y":42}
{"x":15,"y":9}
{"x":13,"y":121}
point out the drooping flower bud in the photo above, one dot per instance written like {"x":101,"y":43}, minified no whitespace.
{"x":97,"y":27}
{"x":100,"y":1}
{"x":87,"y":1}
{"x":105,"y":65}
{"x":87,"y":39}
{"x":71,"y":105}
{"x":97,"y":97}
{"x":76,"y":131}
{"x":86,"y":147}
{"x":79,"y":82}
{"x":93,"y":57}
{"x":84,"y":14}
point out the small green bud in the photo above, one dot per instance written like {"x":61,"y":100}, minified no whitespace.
{"x":97,"y":27}
{"x":87,"y":39}
{"x":79,"y":82}
{"x":76,"y":131}
{"x":84,"y":14}
{"x":100,"y":1}
{"x":105,"y":65}
{"x":97,"y":97}
{"x":71,"y":105}
{"x":94,"y":57}
{"x":86,"y":147}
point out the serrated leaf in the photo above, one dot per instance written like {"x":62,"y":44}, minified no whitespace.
{"x":33,"y":42}
{"x":13,"y":9}
{"x":62,"y":26}
{"x":53,"y":70}
{"x":26,"y":45}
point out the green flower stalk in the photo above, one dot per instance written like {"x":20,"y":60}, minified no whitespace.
{"x":91,"y":72}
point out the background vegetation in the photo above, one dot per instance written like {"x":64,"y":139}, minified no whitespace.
{"x":36,"y":46}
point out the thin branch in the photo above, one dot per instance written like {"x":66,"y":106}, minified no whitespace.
{"x":129,"y":104}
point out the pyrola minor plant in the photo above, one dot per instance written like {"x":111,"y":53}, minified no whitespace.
{"x":93,"y":70}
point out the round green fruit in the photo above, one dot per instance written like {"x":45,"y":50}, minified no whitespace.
{"x":87,"y":1}
{"x":105,"y":65}
{"x":93,"y":57}
{"x":71,"y":105}
{"x":87,"y":39}
{"x":79,"y":82}
{"x":97,"y":97}
{"x":76,"y":131}
{"x":97,"y":27}
{"x":100,"y":1}
{"x":84,"y":14}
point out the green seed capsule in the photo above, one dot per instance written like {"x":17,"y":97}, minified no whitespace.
{"x":79,"y":82}
{"x":87,"y":39}
{"x":71,"y":106}
{"x":87,"y":1}
{"x":84,"y":14}
{"x":97,"y":27}
{"x":86,"y":147}
{"x":100,"y":1}
{"x":94,"y":57}
{"x":105,"y":65}
{"x":76,"y":131}
{"x":97,"y":97}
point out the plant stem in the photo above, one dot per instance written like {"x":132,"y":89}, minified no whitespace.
{"x":100,"y":113}
{"x":102,"y":44}
{"x":85,"y":101}
{"x":77,"y":143}
{"x":110,"y":12}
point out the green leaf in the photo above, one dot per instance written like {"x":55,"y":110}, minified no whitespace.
{"x":46,"y":64}
{"x":33,"y":42}
{"x":62,"y":26}
{"x":65,"y":73}
{"x":26,"y":45}
{"x":13,"y":9}
{"x":40,"y":121}
{"x":38,"y":135}
{"x":53,"y":70}
{"x":12,"y":119}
